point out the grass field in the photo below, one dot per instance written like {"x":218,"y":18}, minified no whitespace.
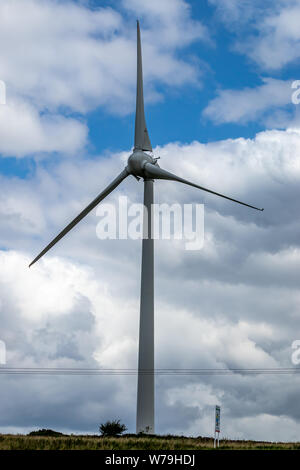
{"x":162,"y":443}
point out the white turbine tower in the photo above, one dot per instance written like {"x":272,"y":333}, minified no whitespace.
{"x":141,"y":165}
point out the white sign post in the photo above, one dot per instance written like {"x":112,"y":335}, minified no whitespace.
{"x":217,"y":426}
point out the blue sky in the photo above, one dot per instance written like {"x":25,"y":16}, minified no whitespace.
{"x":178,"y":114}
{"x":217,"y":83}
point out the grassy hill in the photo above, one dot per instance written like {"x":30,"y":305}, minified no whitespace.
{"x":131,"y":442}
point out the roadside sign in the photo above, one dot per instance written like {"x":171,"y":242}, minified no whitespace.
{"x":218,"y":418}
{"x":217,"y":426}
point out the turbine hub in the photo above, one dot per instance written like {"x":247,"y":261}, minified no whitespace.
{"x":137,"y":161}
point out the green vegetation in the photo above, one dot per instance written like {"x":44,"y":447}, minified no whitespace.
{"x":45,"y":432}
{"x":131,"y":442}
{"x":112,"y":428}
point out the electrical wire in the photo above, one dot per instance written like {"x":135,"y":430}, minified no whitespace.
{"x":177,"y":372}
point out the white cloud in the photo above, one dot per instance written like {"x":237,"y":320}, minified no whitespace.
{"x":232,"y":304}
{"x":252,"y":104}
{"x":235,"y":12}
{"x":266,"y":31}
{"x":23,"y":131}
{"x":63,"y":56}
{"x":51,"y":52}
{"x":279,"y":38}
{"x":263,"y":427}
{"x":170,"y":21}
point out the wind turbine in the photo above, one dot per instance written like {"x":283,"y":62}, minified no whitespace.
{"x":141,"y":165}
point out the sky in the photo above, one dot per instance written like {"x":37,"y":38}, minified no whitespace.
{"x":218,"y":91}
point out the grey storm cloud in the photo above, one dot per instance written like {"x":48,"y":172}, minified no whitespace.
{"x":232,"y":304}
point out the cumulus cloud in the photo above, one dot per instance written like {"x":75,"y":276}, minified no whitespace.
{"x":23,"y":131}
{"x":60,"y":58}
{"x":171,"y":21}
{"x":236,"y":14}
{"x":232,"y":304}
{"x":279,"y":38}
{"x":267,"y":34}
{"x":82,"y":58}
{"x":272,"y":38}
{"x":253,"y":104}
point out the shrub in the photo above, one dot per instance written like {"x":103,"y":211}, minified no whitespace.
{"x":45,"y":432}
{"x":112,"y":428}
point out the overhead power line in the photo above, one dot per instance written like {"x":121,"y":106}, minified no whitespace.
{"x":178,"y":372}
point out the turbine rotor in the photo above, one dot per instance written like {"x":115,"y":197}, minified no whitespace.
{"x":137,"y":161}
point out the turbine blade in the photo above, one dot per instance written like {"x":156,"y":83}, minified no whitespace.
{"x":141,"y":137}
{"x":82,"y":214}
{"x":155,"y":172}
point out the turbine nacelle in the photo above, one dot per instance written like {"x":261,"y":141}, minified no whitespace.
{"x":137,"y":161}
